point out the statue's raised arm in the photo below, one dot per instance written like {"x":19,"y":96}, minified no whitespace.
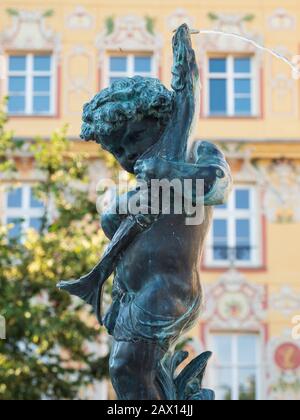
{"x":186,"y":85}
{"x":185,"y":72}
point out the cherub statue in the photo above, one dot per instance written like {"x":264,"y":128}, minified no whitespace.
{"x":157,"y":293}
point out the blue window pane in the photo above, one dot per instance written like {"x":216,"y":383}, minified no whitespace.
{"x":242,"y":86}
{"x":142,"y":64}
{"x":243,"y":106}
{"x":15,"y":198}
{"x":34,"y":202}
{"x":247,"y":349}
{"x":41,"y":104}
{"x":118,"y":64}
{"x":222,"y":346}
{"x":220,"y":229}
{"x":243,"y":253}
{"x":16,"y":104}
{"x":243,"y":230}
{"x":35,"y":223}
{"x":220,"y":234}
{"x":243,"y":241}
{"x":217,"y":65}
{"x":41,"y":84}
{"x":16,"y":84}
{"x":222,"y":207}
{"x":218,"y":97}
{"x":16,"y":230}
{"x":42,"y":63}
{"x":242,"y":199}
{"x":17,"y":63}
{"x":242,"y":65}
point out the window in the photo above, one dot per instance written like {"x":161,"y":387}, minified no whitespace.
{"x":235,"y":231}
{"x":231,"y":86}
{"x":31,"y":85}
{"x":23,"y":210}
{"x":129,"y":66}
{"x":236,"y":366}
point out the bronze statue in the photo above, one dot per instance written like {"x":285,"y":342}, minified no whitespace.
{"x":157,"y":292}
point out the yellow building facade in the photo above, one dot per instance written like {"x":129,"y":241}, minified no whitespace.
{"x":56,"y":56}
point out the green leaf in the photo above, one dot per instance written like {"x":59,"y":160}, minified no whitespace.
{"x":213,"y":16}
{"x":150,"y":24}
{"x":110,"y":25}
{"x":249,"y":18}
{"x":48,"y":13}
{"x":12,"y":12}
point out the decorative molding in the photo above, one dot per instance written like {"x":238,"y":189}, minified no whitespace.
{"x":29,"y":31}
{"x":241,"y":154}
{"x":231,"y":20}
{"x":80,"y":19}
{"x":235,"y":303}
{"x":281,"y":181}
{"x":178,"y":17}
{"x":129,"y":33}
{"x":80,"y":83}
{"x":283,"y":383}
{"x":286,"y":301}
{"x":283,"y":86}
{"x":247,"y":173}
{"x":233,"y":24}
{"x":282,"y":20}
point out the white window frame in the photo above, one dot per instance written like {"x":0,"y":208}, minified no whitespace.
{"x":29,"y":73}
{"x":231,"y":214}
{"x":25,"y":212}
{"x":234,"y":365}
{"x":230,"y":76}
{"x":130,"y":66}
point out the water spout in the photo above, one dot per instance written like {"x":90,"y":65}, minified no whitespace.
{"x":294,"y":67}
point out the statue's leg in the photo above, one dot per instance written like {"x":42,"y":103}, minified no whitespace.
{"x":148,"y":323}
{"x":134,"y":368}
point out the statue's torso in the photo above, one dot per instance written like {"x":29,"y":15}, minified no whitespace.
{"x":170,"y":250}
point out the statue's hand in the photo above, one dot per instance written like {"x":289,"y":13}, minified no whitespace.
{"x":154,"y":168}
{"x":185,"y":70}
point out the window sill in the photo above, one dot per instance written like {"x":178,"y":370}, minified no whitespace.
{"x":233,"y":117}
{"x":39,"y":116}
{"x":242,"y":268}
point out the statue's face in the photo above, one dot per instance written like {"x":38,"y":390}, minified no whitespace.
{"x":132,"y":141}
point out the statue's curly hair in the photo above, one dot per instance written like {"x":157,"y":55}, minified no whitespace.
{"x":129,"y":99}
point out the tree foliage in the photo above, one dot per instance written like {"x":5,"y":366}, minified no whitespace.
{"x":46,"y":354}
